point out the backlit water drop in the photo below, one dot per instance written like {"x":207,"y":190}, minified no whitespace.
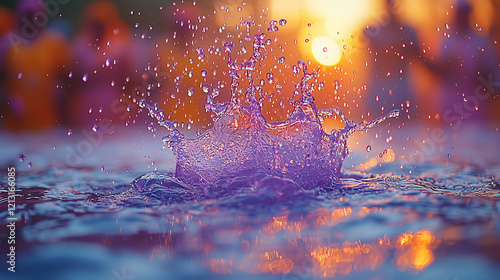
{"x":241,"y":139}
{"x":21,"y":157}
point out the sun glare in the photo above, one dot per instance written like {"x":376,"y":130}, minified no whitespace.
{"x":326,"y":51}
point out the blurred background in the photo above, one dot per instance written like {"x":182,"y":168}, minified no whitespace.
{"x":72,"y":64}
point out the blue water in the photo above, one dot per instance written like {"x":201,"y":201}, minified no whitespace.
{"x":441,"y":221}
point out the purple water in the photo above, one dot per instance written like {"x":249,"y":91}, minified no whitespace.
{"x":241,"y":139}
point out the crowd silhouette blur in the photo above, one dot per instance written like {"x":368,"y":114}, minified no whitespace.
{"x":55,"y":76}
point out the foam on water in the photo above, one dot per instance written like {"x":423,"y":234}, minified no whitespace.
{"x":241,"y":139}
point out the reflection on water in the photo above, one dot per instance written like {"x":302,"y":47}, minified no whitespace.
{"x":441,"y":223}
{"x":309,"y":255}
{"x":414,"y":251}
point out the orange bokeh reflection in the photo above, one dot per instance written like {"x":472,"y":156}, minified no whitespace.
{"x":348,"y":257}
{"x":331,"y":218}
{"x":281,"y":223}
{"x":301,"y":248}
{"x":387,"y":156}
{"x":414,"y":251}
{"x":313,"y":244}
{"x":274,"y":263}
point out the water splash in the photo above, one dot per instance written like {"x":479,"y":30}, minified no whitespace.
{"x":241,"y":139}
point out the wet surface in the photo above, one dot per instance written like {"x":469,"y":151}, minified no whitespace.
{"x":441,"y":221}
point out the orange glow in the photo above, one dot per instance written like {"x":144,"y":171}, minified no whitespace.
{"x":231,"y":13}
{"x":367,"y":165}
{"x":286,"y":9}
{"x":385,"y":157}
{"x":351,"y":256}
{"x":281,"y":266}
{"x":414,"y":251}
{"x":345,"y":17}
{"x":326,"y":51}
{"x":274,"y":263}
{"x":388,"y":156}
{"x":335,"y":217}
{"x":281,"y":223}
{"x":266,"y":254}
{"x":278,"y":223}
{"x":483,"y":14}
{"x":365,"y":210}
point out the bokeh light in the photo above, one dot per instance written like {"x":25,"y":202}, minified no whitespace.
{"x":326,"y":51}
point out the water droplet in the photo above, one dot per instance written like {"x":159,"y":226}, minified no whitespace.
{"x":272,"y":29}
{"x":368,"y":148}
{"x":95,"y":128}
{"x":380,"y":155}
{"x":70,"y":75}
{"x":21,"y":157}
{"x":203,"y":73}
{"x":283,"y":22}
{"x":70,"y":132}
{"x":447,"y":26}
{"x":190,"y":92}
{"x":385,"y":152}
{"x":102,"y":168}
{"x":20,"y":75}
{"x":270,"y":77}
{"x":151,"y":127}
{"x":85,"y":77}
{"x":325,"y":49}
{"x":215,"y":92}
{"x":259,"y":77}
{"x":142,"y":103}
{"x":30,"y":164}
{"x":205,"y":88}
